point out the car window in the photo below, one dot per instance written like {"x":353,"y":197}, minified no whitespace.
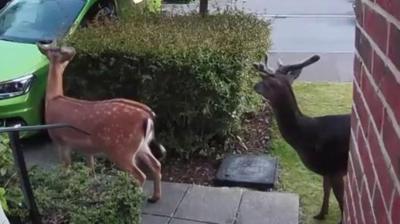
{"x":38,"y":20}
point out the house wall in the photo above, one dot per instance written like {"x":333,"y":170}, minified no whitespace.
{"x":372,"y":189}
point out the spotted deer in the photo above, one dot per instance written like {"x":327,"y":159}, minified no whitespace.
{"x":322,"y":143}
{"x":121,"y":129}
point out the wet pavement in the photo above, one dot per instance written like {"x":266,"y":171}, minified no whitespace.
{"x":193,"y":204}
{"x":300,"y":29}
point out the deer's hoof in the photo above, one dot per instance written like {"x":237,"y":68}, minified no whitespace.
{"x":153,"y":199}
{"x":320,"y":216}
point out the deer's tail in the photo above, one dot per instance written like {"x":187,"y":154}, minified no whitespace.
{"x":157,"y":149}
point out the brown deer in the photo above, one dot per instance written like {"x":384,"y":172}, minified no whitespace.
{"x":121,"y":129}
{"x":322,"y":143}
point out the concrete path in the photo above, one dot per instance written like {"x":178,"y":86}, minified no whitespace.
{"x":301,"y":29}
{"x":193,"y":204}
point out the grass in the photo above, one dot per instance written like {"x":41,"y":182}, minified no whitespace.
{"x":314,"y":99}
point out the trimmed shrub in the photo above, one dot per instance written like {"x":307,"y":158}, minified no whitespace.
{"x":72,"y":196}
{"x":126,"y":7}
{"x":75,"y":196}
{"x":11,"y":197}
{"x":194,"y":72}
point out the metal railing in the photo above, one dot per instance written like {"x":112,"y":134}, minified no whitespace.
{"x":15,"y":144}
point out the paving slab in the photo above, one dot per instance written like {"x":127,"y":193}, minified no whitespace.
{"x":182,"y":221}
{"x":314,"y":34}
{"x":210,"y":204}
{"x":172,"y":195}
{"x":39,"y":151}
{"x":332,"y":67}
{"x":306,"y":7}
{"x":274,"y":7}
{"x":272,"y":208}
{"x":151,"y":219}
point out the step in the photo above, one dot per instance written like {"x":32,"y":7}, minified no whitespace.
{"x":194,"y":204}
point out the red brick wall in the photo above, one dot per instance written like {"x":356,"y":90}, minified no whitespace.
{"x":372,"y":191}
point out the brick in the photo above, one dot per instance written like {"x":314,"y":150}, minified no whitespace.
{"x":394,"y":45}
{"x":351,"y":201}
{"x":367,"y":206}
{"x":389,"y":87}
{"x":357,"y":68}
{"x":379,"y":69}
{"x":356,"y":160}
{"x":376,"y":26}
{"x":361,"y":110}
{"x":358,"y":208}
{"x":391,"y":6}
{"x":364,"y":48}
{"x":363,"y":77}
{"x":374,"y":103}
{"x":382,"y":171}
{"x":392,"y":144}
{"x":355,"y":187}
{"x":379,"y":208}
{"x":395,"y":213}
{"x":354,"y":121}
{"x":366,"y":162}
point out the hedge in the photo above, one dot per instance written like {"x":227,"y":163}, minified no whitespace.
{"x":194,"y":72}
{"x":76,"y":196}
{"x":126,"y":7}
{"x":70,"y":196}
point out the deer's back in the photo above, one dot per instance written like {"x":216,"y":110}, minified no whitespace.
{"x":108,"y":125}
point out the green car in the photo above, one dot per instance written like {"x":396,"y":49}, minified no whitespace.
{"x":23,"y":70}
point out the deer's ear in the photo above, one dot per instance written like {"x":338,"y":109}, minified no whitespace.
{"x":263,"y":70}
{"x":293,"y":75}
{"x":314,"y":59}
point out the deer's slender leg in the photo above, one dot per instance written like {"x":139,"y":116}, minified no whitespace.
{"x":91,"y":163}
{"x":338,"y":190}
{"x":128,"y":163}
{"x":155,"y":168}
{"x":325,"y":203}
{"x":138,"y":174}
{"x":65,"y":155}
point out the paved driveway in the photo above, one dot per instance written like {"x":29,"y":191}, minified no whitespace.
{"x":303,"y":28}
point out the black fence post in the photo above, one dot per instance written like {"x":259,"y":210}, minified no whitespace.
{"x":23,"y":174}
{"x":203,"y":7}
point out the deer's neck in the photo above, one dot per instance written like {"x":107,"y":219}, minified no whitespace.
{"x":288,"y":116}
{"x":55,"y":81}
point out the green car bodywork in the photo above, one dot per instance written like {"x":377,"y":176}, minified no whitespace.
{"x":19,"y":59}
